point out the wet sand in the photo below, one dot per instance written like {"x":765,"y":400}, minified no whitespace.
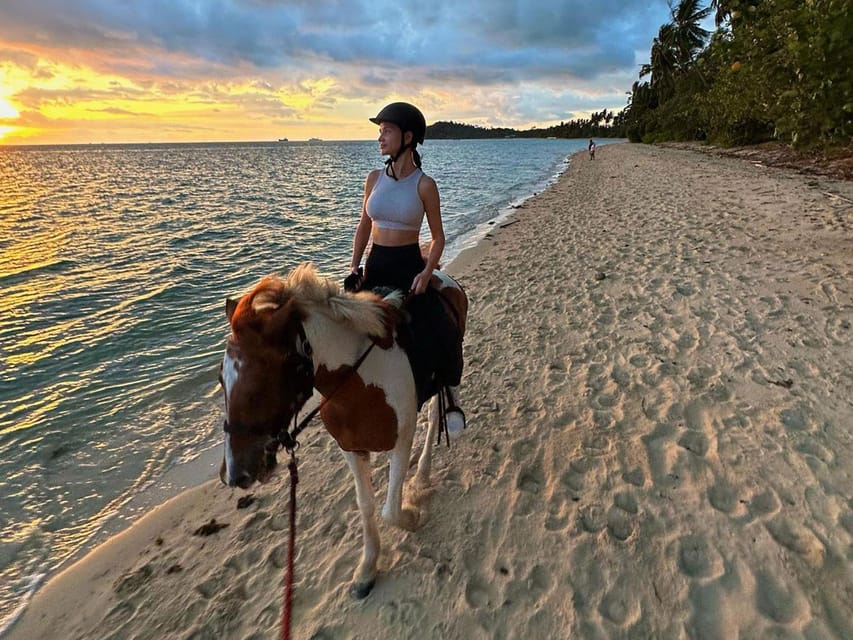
{"x":659,"y":390}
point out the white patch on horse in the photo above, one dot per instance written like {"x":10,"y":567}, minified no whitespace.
{"x":229,"y":460}
{"x":230,"y":372}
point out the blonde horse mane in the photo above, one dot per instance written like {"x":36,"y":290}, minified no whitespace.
{"x":363,"y":312}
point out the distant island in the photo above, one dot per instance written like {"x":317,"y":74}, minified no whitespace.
{"x":605,"y":124}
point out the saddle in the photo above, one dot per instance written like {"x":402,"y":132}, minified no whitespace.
{"x":430,"y":331}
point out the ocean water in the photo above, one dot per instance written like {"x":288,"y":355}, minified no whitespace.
{"x":114,"y":265}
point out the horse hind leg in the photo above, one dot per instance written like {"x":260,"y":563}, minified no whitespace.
{"x":425,"y":461}
{"x":365,"y":574}
{"x":422,"y":476}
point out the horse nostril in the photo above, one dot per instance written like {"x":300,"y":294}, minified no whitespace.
{"x":244,"y":481}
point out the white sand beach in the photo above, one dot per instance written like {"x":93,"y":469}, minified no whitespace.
{"x":659,"y":392}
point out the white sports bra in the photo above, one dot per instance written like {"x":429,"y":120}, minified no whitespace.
{"x":396,"y":204}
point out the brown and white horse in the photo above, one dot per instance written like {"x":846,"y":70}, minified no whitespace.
{"x":289,"y":335}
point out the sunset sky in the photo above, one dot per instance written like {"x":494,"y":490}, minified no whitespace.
{"x":80,"y":71}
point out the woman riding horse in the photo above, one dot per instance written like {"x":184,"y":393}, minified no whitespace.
{"x":396,"y":200}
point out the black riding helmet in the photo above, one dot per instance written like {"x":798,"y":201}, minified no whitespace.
{"x":409,"y":118}
{"x":406,"y":116}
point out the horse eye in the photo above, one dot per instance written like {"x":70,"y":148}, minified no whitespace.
{"x":303,"y":347}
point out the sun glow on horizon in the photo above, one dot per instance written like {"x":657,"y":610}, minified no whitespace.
{"x":51,"y":100}
{"x":7,"y":110}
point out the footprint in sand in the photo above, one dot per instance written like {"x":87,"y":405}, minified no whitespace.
{"x":529,"y":484}
{"x":131,"y":583}
{"x":620,"y":607}
{"x":572,"y":480}
{"x":838,"y":330}
{"x":723,"y":496}
{"x":764,"y":504}
{"x":816,"y":450}
{"x":620,"y":524}
{"x":795,"y":419}
{"x":324,"y":633}
{"x":479,"y":593}
{"x":635,"y":477}
{"x":846,"y":521}
{"x":593,"y":518}
{"x":698,"y":559}
{"x":695,"y":442}
{"x":558,"y":516}
{"x":524,"y":593}
{"x":780,"y":602}
{"x":404,"y":613}
{"x":797,"y":538}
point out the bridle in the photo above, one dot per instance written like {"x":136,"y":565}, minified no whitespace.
{"x":286,"y":437}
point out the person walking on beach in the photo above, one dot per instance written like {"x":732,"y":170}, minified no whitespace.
{"x":591,"y":149}
{"x":396,"y":200}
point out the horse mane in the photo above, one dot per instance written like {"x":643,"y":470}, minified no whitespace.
{"x":363,"y":312}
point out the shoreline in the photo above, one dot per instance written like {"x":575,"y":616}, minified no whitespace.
{"x":550,"y":434}
{"x":185,"y":476}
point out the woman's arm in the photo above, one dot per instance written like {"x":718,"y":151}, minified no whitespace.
{"x":428,"y":191}
{"x":365,"y":224}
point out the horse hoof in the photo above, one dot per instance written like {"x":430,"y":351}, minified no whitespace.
{"x":361,"y":590}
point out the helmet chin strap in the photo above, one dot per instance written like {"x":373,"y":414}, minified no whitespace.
{"x":389,"y":163}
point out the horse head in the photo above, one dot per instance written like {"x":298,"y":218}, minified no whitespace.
{"x":267,"y":375}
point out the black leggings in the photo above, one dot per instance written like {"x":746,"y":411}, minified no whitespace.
{"x":394,"y":267}
{"x":431,"y":339}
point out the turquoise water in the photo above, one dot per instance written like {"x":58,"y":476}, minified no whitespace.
{"x":114,"y":265}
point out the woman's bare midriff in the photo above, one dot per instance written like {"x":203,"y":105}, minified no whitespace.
{"x":394,"y":237}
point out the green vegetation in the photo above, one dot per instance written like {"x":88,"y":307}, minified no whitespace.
{"x":772,"y":70}
{"x":606,"y":124}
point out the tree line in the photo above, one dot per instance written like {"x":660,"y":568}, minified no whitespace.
{"x":771,"y":70}
{"x":604,"y":124}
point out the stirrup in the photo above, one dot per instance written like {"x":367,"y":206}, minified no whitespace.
{"x":451,"y":419}
{"x":455,"y":419}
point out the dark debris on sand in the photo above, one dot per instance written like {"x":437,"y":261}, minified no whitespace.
{"x":210,"y":528}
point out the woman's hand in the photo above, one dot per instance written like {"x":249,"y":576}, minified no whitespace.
{"x":353,"y":281}
{"x":421,"y":281}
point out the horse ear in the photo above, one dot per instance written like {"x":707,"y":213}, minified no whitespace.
{"x":230,"y":306}
{"x":283,"y":323}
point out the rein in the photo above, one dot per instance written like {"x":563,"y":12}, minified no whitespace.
{"x":287,"y":439}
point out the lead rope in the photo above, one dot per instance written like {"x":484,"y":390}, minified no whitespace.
{"x":287,"y":615}
{"x":288,"y":441}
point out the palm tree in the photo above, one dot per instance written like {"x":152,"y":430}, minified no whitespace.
{"x":722,"y":10}
{"x":663,"y":61}
{"x":688,"y":37}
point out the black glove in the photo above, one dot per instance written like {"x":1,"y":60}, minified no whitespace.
{"x":353,"y":281}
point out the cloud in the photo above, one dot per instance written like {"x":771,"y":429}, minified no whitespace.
{"x":502,"y":38}
{"x":491,"y":62}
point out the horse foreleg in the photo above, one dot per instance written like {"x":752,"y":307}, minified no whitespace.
{"x":365,"y":575}
{"x":405,"y":517}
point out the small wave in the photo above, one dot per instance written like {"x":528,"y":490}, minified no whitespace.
{"x":29,"y":591}
{"x":29,"y":271}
